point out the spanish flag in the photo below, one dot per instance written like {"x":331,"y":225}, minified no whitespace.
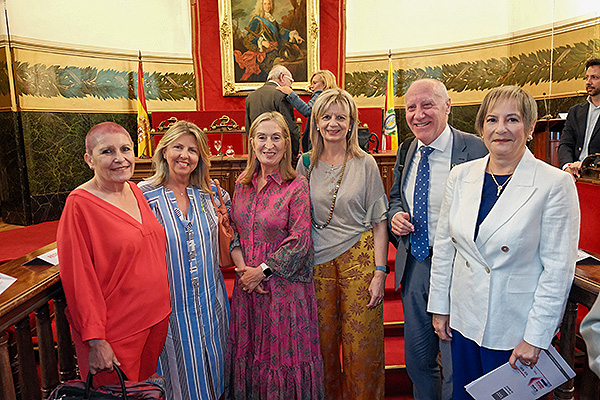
{"x":143,"y":125}
{"x":390,"y":128}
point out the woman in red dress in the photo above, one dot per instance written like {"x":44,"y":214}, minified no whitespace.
{"x":112,"y":264}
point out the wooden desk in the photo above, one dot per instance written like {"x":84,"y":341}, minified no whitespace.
{"x":22,"y":297}
{"x":546,"y":133}
{"x":386,"y":162}
{"x":585,"y":289}
{"x":228,"y":169}
{"x":35,"y":287}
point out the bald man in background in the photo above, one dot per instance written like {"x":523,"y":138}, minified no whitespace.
{"x":268,"y":98}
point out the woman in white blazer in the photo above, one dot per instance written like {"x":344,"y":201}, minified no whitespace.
{"x":505,"y":248}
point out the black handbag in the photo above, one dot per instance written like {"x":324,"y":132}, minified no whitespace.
{"x":79,"y":390}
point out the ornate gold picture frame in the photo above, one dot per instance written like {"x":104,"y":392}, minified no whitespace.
{"x":257,"y":34}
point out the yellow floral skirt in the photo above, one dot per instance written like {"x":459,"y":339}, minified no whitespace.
{"x":342,"y":289}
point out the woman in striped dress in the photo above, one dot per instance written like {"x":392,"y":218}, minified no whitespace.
{"x":179,"y":195}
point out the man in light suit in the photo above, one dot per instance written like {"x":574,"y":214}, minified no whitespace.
{"x":268,"y":98}
{"x":427,"y":110}
{"x":581,"y":134}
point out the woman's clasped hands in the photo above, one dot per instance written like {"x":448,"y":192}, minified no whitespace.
{"x":251,"y":278}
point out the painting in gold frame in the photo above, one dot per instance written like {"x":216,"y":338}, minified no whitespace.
{"x":257,"y":34}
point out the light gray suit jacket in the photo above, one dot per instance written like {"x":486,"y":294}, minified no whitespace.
{"x":512,"y":282}
{"x":465,"y":147}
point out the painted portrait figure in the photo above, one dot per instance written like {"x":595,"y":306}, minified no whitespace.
{"x":274,"y":34}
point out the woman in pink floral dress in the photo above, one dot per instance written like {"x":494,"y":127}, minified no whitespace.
{"x":273,"y":349}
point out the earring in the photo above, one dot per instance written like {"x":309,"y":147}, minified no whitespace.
{"x":529,"y":137}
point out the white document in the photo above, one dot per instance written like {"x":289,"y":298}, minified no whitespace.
{"x":582,"y":255}
{"x":5,"y":282}
{"x":49,"y":258}
{"x":524,"y":383}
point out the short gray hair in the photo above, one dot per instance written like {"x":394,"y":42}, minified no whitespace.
{"x":277,"y":71}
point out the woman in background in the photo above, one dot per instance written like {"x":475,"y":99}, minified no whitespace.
{"x":273,"y":350}
{"x":500,"y":277}
{"x":349,"y":220}
{"x":179,"y":194}
{"x":319,"y":82}
{"x":112,"y":265}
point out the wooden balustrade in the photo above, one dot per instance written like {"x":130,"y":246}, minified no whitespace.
{"x":36,"y":289}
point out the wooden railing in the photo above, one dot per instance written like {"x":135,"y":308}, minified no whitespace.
{"x":37,"y":291}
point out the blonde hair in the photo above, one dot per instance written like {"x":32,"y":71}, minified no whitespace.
{"x":285,"y":165}
{"x":327,"y":77}
{"x":324,"y":101}
{"x":524,"y":101}
{"x":200,"y":176}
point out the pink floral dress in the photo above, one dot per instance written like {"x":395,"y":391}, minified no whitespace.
{"x":273,"y":349}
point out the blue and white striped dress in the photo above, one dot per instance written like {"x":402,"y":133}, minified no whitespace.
{"x":192,"y":359}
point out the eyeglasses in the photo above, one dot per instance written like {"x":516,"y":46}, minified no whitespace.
{"x":289,"y":77}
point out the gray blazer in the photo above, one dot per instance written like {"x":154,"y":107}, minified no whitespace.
{"x":465,"y":147}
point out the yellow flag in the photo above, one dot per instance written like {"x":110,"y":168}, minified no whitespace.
{"x":390,"y":128}
{"x":143,"y":125}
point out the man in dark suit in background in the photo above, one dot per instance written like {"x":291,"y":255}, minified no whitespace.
{"x":413,"y":213}
{"x":581,"y":134}
{"x":268,"y":98}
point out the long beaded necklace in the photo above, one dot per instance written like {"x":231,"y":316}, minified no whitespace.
{"x":500,"y":187}
{"x":335,"y":192}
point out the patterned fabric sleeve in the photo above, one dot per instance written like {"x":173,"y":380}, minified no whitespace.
{"x":293,"y":260}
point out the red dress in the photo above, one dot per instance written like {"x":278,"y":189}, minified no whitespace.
{"x":113,"y":269}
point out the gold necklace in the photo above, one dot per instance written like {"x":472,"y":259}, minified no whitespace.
{"x":173,"y":189}
{"x":500,"y":187}
{"x":335,"y":192}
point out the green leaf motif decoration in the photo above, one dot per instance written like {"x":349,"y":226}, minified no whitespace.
{"x":532,"y":68}
{"x":75,"y":82}
{"x":4,"y":83}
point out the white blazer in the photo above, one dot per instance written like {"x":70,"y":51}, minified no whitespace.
{"x":511,"y":283}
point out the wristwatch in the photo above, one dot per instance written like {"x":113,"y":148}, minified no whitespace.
{"x":267,"y":271}
{"x":383,"y":268}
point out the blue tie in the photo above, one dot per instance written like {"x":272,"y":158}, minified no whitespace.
{"x":420,"y":238}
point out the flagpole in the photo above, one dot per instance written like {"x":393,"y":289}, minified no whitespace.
{"x":390,"y":129}
{"x":395,"y":134}
{"x":384,"y":135}
{"x":145,"y":151}
{"x":143,"y":125}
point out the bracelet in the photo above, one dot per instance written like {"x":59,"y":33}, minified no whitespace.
{"x":383,"y":268}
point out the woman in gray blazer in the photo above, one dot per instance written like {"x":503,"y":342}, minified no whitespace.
{"x":500,"y":276}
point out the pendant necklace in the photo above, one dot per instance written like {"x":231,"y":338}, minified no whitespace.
{"x":335,"y":192}
{"x":500,"y":187}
